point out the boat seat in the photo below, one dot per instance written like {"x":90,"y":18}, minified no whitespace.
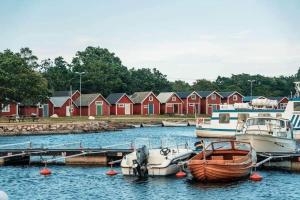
{"x":217,"y":157}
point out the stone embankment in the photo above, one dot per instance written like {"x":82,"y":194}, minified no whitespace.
{"x":59,"y":128}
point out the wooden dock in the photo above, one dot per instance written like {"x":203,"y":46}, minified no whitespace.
{"x":67,"y":156}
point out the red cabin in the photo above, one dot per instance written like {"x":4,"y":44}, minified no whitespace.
{"x":120,"y":104}
{"x":231,"y":97}
{"x":170,"y":103}
{"x":191,"y":102}
{"x":92,"y":105}
{"x":145,"y":103}
{"x":210,"y":101}
{"x":29,"y":110}
{"x":8,"y":109}
{"x":62,"y":106}
{"x":282,"y":102}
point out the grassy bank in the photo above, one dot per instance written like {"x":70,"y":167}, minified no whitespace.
{"x":120,"y":119}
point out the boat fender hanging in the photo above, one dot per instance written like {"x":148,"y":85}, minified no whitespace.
{"x":180,"y":174}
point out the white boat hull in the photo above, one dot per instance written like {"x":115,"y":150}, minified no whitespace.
{"x":204,"y":133}
{"x":174,"y":124}
{"x":158,"y":165}
{"x":268,"y":143}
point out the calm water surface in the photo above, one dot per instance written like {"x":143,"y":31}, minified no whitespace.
{"x":22,"y":183}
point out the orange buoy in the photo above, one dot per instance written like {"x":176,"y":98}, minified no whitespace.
{"x":256,"y":177}
{"x":45,"y":171}
{"x":180,"y":174}
{"x":111,"y":172}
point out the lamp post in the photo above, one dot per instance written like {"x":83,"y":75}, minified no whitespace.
{"x":251,"y":81}
{"x":80,"y":74}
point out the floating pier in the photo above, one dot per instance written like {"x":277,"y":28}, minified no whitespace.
{"x":67,"y":156}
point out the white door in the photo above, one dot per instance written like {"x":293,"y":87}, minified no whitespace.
{"x":127,"y":109}
{"x":68,"y":114}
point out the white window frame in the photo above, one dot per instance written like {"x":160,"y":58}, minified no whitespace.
{"x":121,"y":105}
{"x":191,"y":104}
{"x":169,"y":105}
{"x":235,"y":97}
{"x":99,"y":102}
{"x":145,"y":106}
{"x":213,"y":97}
{"x":151,"y":98}
{"x":5,"y":108}
{"x":173,"y":98}
{"x":193,"y":96}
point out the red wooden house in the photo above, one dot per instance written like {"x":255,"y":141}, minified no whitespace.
{"x":120,"y":104}
{"x":231,"y":97}
{"x":210,"y":101}
{"x":170,"y":103}
{"x":28,"y":110}
{"x":191,"y":102}
{"x":282,"y":102}
{"x":62,"y":106}
{"x":8,"y":109}
{"x":92,"y":105}
{"x":145,"y":103}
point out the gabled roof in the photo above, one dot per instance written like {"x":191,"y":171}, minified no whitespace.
{"x":185,"y":95}
{"x":115,"y":97}
{"x":277,"y":98}
{"x":250,"y":98}
{"x":228,"y":94}
{"x":87,"y":99}
{"x":59,"y":101}
{"x":139,"y":97}
{"x":65,"y":93}
{"x":164,"y":97}
{"x":207,"y":93}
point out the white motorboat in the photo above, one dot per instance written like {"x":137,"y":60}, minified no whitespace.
{"x":174,"y":124}
{"x":225,"y":122}
{"x":154,"y":162}
{"x":267,"y":134}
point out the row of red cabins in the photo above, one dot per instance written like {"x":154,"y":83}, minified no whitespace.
{"x":140,"y":103}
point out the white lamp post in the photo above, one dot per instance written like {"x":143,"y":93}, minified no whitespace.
{"x":80,"y":74}
{"x":251,"y":81}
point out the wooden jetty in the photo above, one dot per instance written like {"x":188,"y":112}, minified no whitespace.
{"x":67,"y":156}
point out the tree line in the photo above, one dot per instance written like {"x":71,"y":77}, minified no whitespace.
{"x":26,"y":79}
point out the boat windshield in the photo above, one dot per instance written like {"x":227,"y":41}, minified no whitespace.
{"x":266,"y":121}
{"x":228,"y":145}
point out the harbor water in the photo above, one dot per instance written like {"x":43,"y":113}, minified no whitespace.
{"x":70,"y":182}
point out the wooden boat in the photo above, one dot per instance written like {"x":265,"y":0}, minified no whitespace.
{"x":174,"y":124}
{"x":223,"y":161}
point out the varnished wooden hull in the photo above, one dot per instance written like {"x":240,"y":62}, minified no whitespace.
{"x":203,"y":170}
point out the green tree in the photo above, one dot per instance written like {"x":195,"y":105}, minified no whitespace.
{"x":57,"y":73}
{"x":18,"y":80}
{"x":203,"y":84}
{"x":180,"y":86}
{"x":104,"y":71}
{"x":145,"y":79}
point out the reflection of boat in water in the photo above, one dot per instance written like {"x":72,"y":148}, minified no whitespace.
{"x":174,"y":124}
{"x":155,"y":161}
{"x":223,"y":161}
{"x":268,"y":134}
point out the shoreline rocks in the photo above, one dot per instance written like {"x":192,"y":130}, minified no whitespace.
{"x":59,"y":128}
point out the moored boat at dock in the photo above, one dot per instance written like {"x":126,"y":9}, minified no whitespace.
{"x":223,"y":161}
{"x":268,"y":135}
{"x":227,"y":121}
{"x":161,"y":161}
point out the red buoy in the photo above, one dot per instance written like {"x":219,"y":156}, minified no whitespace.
{"x":256,"y":177}
{"x":111,"y":172}
{"x":180,"y":174}
{"x":45,"y":171}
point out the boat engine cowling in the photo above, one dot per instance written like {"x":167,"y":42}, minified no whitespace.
{"x":140,"y":164}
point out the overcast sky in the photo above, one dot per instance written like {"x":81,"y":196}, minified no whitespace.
{"x":186,"y":40}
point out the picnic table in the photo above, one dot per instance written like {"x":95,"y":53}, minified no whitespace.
{"x":21,"y":118}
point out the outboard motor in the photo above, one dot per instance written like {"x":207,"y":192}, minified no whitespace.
{"x":199,"y":145}
{"x":140,"y":164}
